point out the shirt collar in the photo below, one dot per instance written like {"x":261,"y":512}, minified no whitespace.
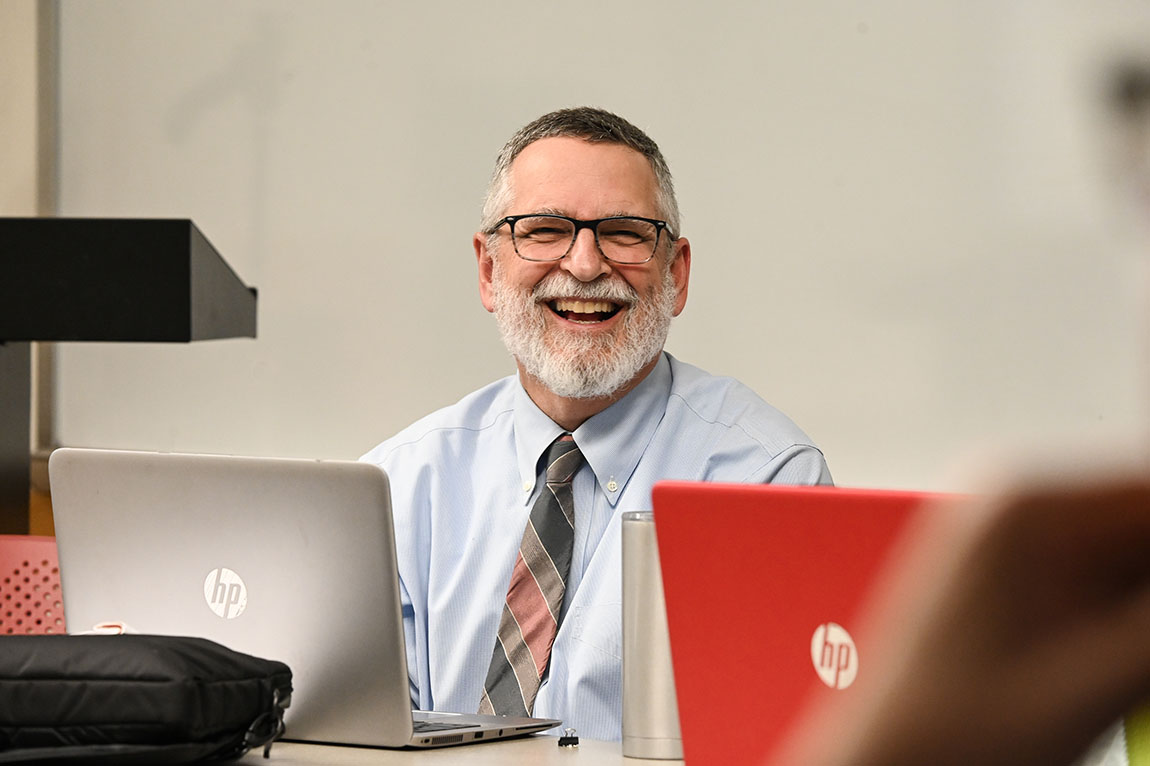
{"x":612,"y":441}
{"x":534,"y":431}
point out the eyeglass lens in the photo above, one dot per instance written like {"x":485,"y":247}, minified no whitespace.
{"x":547,"y":238}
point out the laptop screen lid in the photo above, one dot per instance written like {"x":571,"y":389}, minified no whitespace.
{"x":288,"y":559}
{"x":765,"y":588}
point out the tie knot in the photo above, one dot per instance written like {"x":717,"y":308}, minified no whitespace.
{"x":563,"y":460}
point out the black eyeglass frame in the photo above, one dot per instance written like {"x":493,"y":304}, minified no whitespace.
{"x":592,"y":224}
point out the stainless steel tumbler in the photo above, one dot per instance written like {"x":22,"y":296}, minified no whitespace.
{"x":650,"y":710}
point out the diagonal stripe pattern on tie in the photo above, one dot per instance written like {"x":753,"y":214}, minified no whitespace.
{"x":530,"y":617}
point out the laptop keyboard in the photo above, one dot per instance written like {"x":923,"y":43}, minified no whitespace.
{"x":426,"y":726}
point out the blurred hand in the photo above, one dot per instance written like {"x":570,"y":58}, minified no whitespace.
{"x":1027,"y":640}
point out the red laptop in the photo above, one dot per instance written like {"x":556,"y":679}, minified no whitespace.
{"x":765,"y":586}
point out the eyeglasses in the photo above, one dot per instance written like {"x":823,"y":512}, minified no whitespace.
{"x":623,"y":239}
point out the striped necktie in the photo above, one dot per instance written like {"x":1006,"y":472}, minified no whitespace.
{"x":530,"y":616}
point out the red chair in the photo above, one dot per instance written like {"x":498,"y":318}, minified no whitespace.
{"x":29,"y":586}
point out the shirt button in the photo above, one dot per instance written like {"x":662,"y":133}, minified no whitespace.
{"x":526,"y":486}
{"x":612,"y":486}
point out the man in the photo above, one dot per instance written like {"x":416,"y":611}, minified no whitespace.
{"x":580,"y":261}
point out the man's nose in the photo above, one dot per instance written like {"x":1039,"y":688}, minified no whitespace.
{"x":584,"y":261}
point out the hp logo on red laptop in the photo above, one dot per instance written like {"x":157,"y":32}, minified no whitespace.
{"x":834,"y":655}
{"x":225,"y":593}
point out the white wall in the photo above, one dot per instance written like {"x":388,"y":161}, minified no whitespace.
{"x":18,"y":149}
{"x":903,"y":232}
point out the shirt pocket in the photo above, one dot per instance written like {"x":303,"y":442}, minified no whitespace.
{"x":600,"y":627}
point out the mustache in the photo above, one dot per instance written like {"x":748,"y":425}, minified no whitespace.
{"x":562,"y":285}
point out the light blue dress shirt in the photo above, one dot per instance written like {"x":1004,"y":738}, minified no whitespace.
{"x":463,"y":481}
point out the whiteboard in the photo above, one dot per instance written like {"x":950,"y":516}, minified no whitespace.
{"x":904,"y":224}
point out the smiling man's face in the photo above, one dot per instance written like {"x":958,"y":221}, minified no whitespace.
{"x":583,"y":327}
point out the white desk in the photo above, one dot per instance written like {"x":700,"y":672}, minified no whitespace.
{"x":537,"y":749}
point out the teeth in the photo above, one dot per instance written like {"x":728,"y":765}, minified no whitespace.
{"x":583,"y":307}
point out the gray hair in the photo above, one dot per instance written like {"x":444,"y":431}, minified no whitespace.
{"x":590,"y":124}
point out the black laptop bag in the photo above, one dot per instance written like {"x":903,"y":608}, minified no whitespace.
{"x":135,"y":699}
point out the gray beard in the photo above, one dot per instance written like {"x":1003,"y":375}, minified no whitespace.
{"x":578,"y":365}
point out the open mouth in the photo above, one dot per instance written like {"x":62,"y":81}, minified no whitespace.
{"x":584,"y":311}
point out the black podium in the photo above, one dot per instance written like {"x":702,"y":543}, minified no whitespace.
{"x":99,"y":279}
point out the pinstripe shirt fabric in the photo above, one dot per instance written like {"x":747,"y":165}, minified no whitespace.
{"x":463,"y":482}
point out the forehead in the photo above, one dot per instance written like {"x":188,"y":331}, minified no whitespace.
{"x":582,"y":179}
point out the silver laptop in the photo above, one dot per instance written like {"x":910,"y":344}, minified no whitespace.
{"x":290,"y":560}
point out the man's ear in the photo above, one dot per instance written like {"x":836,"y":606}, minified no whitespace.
{"x":486,"y":264}
{"x":681,"y":272}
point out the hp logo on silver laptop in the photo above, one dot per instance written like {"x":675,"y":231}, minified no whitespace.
{"x":225,"y":593}
{"x":834,"y":655}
